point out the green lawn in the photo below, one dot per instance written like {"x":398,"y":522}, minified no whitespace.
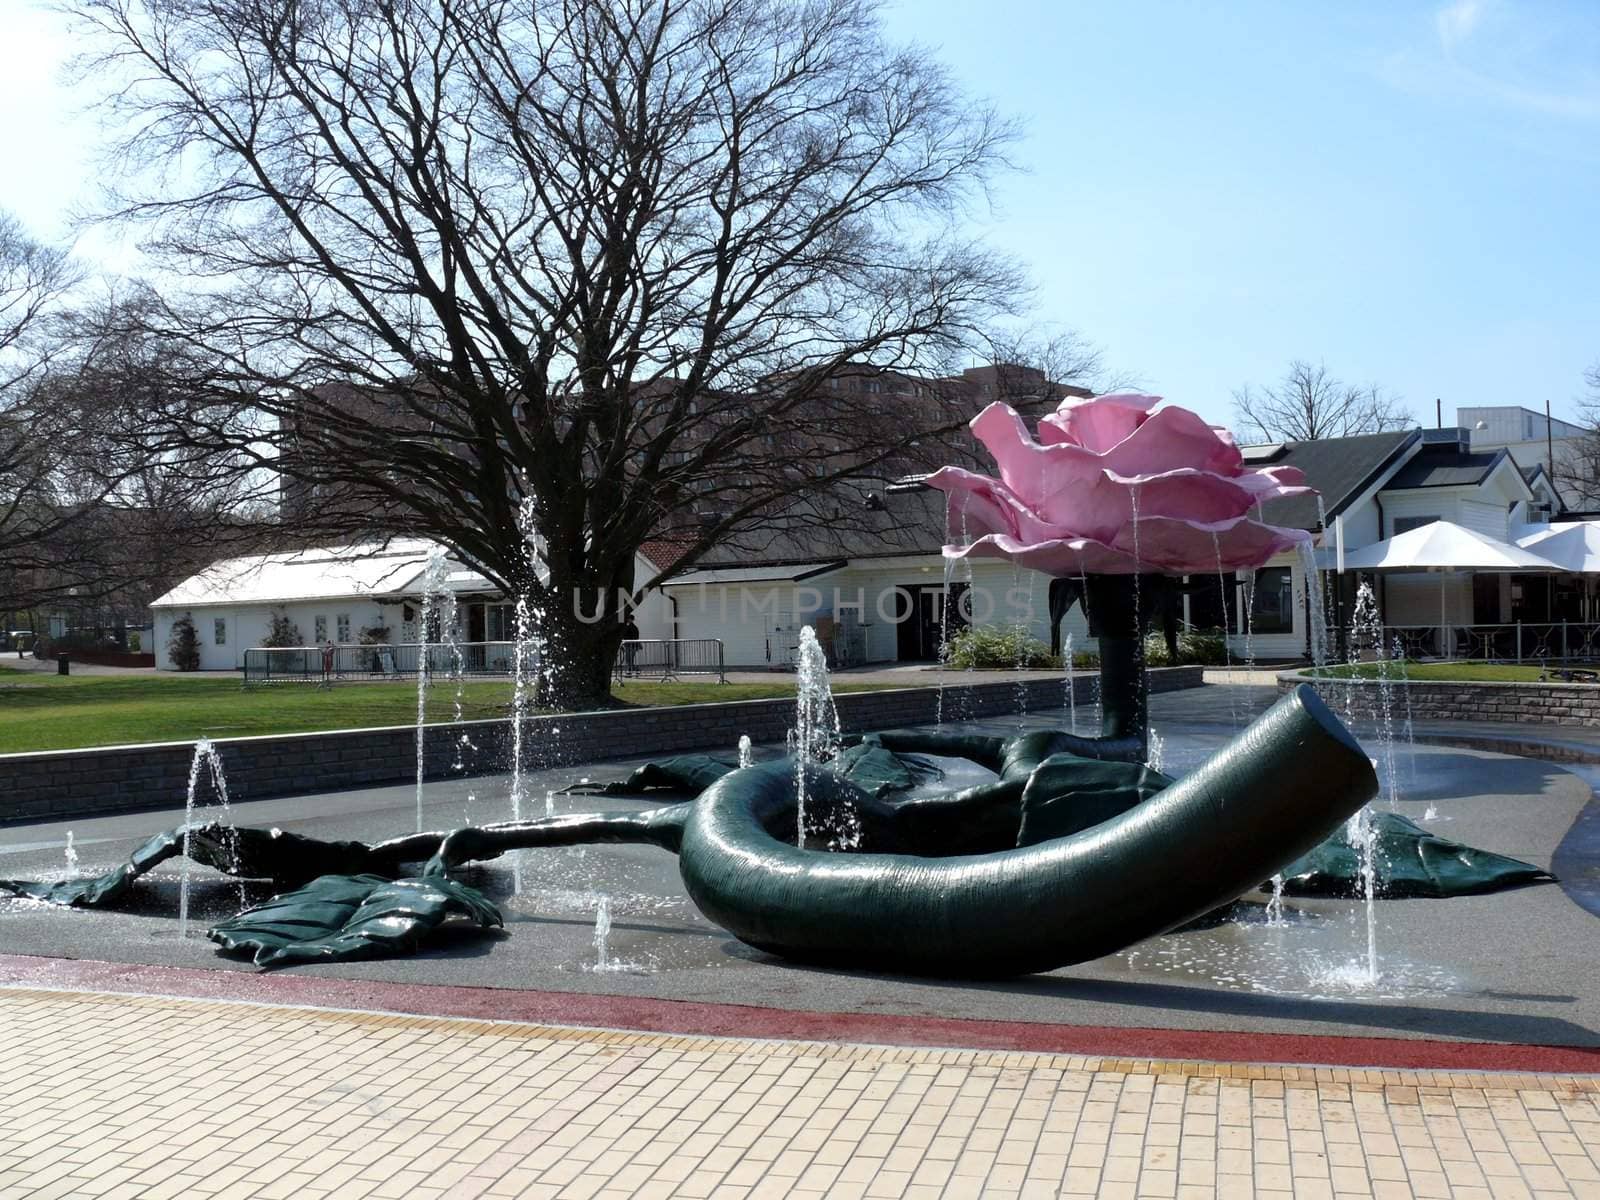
{"x":53,"y":712}
{"x":1452,"y":672}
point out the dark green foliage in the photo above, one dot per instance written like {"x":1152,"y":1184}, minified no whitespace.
{"x":344,"y":918}
{"x":183,"y":646}
{"x":287,"y":858}
{"x":101,"y":891}
{"x":1195,"y":648}
{"x":1410,"y":862}
{"x":868,"y":765}
{"x":685,"y":775}
{"x":998,"y":647}
{"x":1066,"y":794}
{"x":881,"y":772}
{"x":282,"y":631}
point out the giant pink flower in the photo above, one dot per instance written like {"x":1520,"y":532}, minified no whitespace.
{"x":1114,"y":486}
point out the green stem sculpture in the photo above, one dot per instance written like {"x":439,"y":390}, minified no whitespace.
{"x":1165,"y":860}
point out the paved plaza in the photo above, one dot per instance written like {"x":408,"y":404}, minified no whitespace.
{"x":154,"y":1097}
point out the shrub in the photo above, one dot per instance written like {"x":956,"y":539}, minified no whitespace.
{"x":183,"y":647}
{"x":81,"y":639}
{"x":135,"y":642}
{"x":1195,"y":647}
{"x":282,"y":631}
{"x":992,"y":647}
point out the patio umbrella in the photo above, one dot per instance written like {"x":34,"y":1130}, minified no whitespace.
{"x":1575,"y":548}
{"x":1445,"y":546}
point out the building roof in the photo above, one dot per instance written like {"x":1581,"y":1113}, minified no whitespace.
{"x":363,"y":571}
{"x":1446,"y":466}
{"x":897,"y":524}
{"x":1340,"y":469}
{"x":787,"y":573}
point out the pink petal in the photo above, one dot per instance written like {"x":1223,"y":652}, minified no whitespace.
{"x":1169,"y":547}
{"x":1097,"y":423}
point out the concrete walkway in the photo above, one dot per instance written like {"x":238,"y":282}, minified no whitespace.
{"x":118,"y":1096}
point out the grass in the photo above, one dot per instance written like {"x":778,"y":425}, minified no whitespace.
{"x":1443,"y":672}
{"x":53,"y":712}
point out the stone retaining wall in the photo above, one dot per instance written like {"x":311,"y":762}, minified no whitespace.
{"x":1430,"y":700}
{"x":126,"y":778}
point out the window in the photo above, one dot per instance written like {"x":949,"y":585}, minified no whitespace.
{"x":320,"y":626}
{"x":500,"y":622}
{"x":1272,"y":601}
{"x":1407,"y":524}
{"x":219,"y":631}
{"x":344,"y":627}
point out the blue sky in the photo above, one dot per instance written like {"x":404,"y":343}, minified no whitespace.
{"x":1404,"y":191}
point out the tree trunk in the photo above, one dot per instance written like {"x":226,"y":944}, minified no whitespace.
{"x":579,"y":657}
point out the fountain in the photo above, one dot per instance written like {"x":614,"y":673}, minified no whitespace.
{"x":1155,"y":755}
{"x":72,"y":855}
{"x":523,"y":682}
{"x":1072,"y":687}
{"x":746,"y":752}
{"x":602,"y":933}
{"x":814,"y":740}
{"x":205,"y":756}
{"x":1075,"y":848}
{"x":433,"y":577}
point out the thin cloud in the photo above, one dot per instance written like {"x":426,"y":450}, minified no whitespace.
{"x":1458,"y":21}
{"x":1491,"y":53}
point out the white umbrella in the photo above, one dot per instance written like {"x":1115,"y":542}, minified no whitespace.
{"x":1572,"y":547}
{"x":1444,"y":546}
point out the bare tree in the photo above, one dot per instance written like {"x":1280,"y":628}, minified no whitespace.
{"x":609,"y":265}
{"x":1576,"y":466}
{"x":100,"y":506}
{"x":1308,"y":404}
{"x":37,"y":506}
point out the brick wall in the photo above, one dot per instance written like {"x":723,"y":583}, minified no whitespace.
{"x":115,"y":779}
{"x":1522,"y":703}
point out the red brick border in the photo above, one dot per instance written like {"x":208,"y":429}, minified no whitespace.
{"x":748,"y":1021}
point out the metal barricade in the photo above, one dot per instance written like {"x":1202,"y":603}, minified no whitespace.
{"x":666,"y":659}
{"x":354,"y":662}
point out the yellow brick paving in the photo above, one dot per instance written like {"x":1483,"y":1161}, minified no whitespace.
{"x":122,"y":1096}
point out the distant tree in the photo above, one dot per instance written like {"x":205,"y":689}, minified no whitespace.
{"x":97,"y":502}
{"x":1576,"y":469}
{"x":1308,"y":403}
{"x":281,"y":630}
{"x":39,"y":503}
{"x":544,"y":281}
{"x":183,"y":645}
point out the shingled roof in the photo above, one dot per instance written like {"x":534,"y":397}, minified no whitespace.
{"x":1447,"y":466}
{"x":1341,"y":469}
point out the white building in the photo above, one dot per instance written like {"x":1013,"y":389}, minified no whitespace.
{"x":1533,"y":440}
{"x":877,"y":597}
{"x":875,"y":594}
{"x":340,"y":594}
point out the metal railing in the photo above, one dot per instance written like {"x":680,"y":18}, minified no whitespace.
{"x":351,"y":662}
{"x":1535,"y":642}
{"x":668,"y":658}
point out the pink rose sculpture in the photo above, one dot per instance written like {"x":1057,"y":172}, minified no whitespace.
{"x":1114,"y":486}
